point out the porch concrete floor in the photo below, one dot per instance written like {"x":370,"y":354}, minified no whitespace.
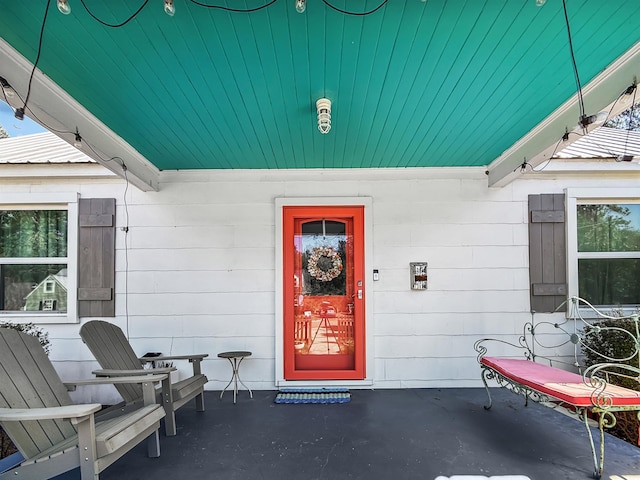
{"x":380,"y":434}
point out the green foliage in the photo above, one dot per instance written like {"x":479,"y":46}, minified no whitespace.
{"x":617,"y":339}
{"x":31,"y":329}
{"x":627,"y":120}
{"x":33,"y":233}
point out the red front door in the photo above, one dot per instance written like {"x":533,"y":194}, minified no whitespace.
{"x":324,"y":293}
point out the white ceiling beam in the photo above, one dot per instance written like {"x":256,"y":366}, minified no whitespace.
{"x":540,"y":144}
{"x":54,"y":109}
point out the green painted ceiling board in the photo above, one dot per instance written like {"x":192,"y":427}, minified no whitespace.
{"x":436,"y":83}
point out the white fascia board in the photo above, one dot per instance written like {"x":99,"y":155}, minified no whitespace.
{"x":540,"y":144}
{"x":55,"y":109}
{"x":64,"y":170}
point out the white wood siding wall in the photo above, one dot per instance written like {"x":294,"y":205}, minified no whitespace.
{"x":199,"y":273}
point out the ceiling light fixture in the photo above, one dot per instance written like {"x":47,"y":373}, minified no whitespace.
{"x":540,"y":3}
{"x":323,"y":105}
{"x":301,"y":6}
{"x":169,"y":8}
{"x":64,"y":7}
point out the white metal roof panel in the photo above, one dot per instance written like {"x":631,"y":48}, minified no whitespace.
{"x":603,"y":142}
{"x":39,"y":148}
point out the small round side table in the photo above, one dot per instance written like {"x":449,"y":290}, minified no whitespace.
{"x":235,"y":359}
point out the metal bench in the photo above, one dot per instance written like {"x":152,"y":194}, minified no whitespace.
{"x":587,"y":394}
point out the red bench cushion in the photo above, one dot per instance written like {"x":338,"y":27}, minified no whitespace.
{"x":560,"y":384}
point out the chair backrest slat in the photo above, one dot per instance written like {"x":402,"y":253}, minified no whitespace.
{"x":112,"y":350}
{"x":28,"y":380}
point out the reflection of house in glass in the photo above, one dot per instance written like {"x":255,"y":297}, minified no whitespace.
{"x":50,"y":294}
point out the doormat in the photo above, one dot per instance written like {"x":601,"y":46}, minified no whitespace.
{"x":313,"y":395}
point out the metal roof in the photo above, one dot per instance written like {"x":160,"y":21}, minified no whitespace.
{"x":40,"y":148}
{"x":603,"y":142}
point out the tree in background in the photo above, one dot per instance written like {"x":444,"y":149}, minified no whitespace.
{"x":3,"y":132}
{"x":627,"y":120}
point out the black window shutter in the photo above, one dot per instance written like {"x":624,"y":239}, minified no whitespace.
{"x":96,"y":257}
{"x":547,"y":252}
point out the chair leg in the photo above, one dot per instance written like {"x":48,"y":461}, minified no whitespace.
{"x":200,"y":402}
{"x":167,"y":403}
{"x":87,"y":448}
{"x":153,"y":444}
{"x":169,"y":420}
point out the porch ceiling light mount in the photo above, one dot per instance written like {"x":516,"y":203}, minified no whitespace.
{"x":64,"y":7}
{"x":169,"y":8}
{"x":323,"y":105}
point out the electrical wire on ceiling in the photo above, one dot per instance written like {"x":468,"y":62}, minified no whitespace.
{"x":170,"y":9}
{"x":355,"y":13}
{"x":235,"y":10}
{"x":630,"y":90}
{"x":583,"y":117}
{"x":64,"y":7}
{"x":629,"y":127}
{"x":19,"y":112}
{"x":114,"y":25}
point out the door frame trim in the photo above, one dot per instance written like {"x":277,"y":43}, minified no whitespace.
{"x":280,"y":202}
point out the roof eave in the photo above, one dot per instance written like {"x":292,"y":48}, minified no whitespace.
{"x":541,"y":143}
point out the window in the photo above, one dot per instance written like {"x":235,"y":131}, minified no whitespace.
{"x":37,"y":252}
{"x":604,"y":247}
{"x":48,"y":305}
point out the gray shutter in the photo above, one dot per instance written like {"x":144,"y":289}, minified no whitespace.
{"x":96,"y":257}
{"x":547,"y":252}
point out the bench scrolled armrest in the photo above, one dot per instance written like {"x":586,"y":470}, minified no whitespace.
{"x":481,"y":347}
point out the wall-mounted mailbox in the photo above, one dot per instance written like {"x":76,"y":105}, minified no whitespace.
{"x":418,"y":275}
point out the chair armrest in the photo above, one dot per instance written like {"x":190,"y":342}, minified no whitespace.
{"x":48,"y":413}
{"x":132,"y":373}
{"x":198,"y":356}
{"x":72,"y":384}
{"x":147,"y":381}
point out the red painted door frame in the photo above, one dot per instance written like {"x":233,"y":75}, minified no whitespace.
{"x":324,"y":367}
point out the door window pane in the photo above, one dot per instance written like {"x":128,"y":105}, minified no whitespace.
{"x":323,"y":258}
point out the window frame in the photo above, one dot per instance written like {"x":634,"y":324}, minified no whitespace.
{"x":592,"y":196}
{"x":43,"y":201}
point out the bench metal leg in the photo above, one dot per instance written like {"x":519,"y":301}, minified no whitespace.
{"x":486,"y":373}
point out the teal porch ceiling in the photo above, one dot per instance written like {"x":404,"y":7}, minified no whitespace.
{"x":415,"y":84}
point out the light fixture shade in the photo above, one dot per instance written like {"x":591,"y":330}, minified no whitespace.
{"x":64,"y":7}
{"x":169,"y":8}
{"x":301,"y":6}
{"x":323,"y":105}
{"x":540,"y":3}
